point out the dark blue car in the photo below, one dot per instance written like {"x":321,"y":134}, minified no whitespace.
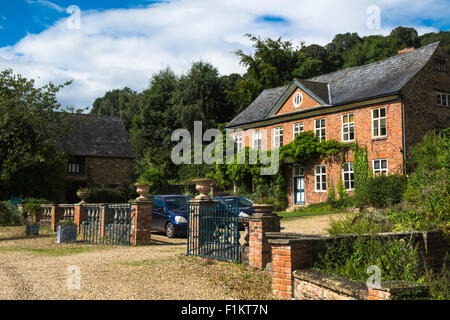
{"x":245,"y":205}
{"x":170,"y":214}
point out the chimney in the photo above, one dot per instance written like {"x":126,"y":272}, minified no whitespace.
{"x":405,"y":50}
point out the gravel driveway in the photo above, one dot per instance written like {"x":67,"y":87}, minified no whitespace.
{"x":37,"y":269}
{"x":310,"y":225}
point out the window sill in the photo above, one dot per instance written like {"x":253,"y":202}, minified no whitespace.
{"x":379,"y":138}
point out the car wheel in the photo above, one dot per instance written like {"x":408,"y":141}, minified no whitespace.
{"x":170,"y":230}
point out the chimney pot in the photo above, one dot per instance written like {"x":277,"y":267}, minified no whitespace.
{"x":405,"y":50}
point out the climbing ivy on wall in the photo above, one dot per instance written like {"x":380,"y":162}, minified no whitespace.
{"x":305,"y":149}
{"x":360,"y":167}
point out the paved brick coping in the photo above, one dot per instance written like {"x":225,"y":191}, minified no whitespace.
{"x":281,"y":238}
{"x":357,"y":290}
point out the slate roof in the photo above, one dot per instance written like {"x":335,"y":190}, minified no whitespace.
{"x":320,"y":89}
{"x":259,"y":108}
{"x":348,"y":85}
{"x":95,"y":136}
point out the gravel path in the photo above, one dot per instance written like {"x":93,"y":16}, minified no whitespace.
{"x":310,"y":225}
{"x":37,"y":269}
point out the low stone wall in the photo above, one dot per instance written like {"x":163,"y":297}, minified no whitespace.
{"x":313,"y":285}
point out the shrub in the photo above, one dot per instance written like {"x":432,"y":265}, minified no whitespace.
{"x":106,"y":195}
{"x":439,"y":282}
{"x":350,"y":258}
{"x":34,"y":211}
{"x":382,"y":191}
{"x":155,"y":178}
{"x":362,"y":223}
{"x":5,"y":215}
{"x":35,"y":200}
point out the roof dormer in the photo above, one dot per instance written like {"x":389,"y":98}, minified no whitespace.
{"x":301,"y":95}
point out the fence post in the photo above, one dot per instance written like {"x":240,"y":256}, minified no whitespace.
{"x":79,"y":215}
{"x":262,"y":221}
{"x":141,"y":223}
{"x":101,"y":221}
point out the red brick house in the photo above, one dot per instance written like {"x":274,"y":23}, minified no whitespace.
{"x":386,"y":106}
{"x":99,"y":152}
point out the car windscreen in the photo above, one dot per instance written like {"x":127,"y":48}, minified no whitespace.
{"x":177,"y":203}
{"x":241,"y":202}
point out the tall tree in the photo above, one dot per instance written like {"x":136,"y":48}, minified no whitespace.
{"x":30,"y":164}
{"x":409,"y":36}
{"x":340,"y":44}
{"x":152,"y":130}
{"x":200,"y":96}
{"x":274,"y":63}
{"x":372,"y":49}
{"x":118,"y":102}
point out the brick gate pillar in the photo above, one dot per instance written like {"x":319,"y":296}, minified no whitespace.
{"x":287,"y":256}
{"x":57,"y":215}
{"x":262,"y":221}
{"x":141,"y":223}
{"x":79,"y":215}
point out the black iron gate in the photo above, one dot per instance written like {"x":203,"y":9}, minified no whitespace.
{"x":213,"y":230}
{"x":108,"y":224}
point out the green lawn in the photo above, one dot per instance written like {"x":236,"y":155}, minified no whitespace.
{"x":312,"y":210}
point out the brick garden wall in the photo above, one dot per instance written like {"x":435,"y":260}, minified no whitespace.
{"x":290,"y":252}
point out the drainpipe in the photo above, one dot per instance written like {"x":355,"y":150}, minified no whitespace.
{"x":403,"y":133}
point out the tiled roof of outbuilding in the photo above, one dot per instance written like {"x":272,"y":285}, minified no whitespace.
{"x":96,"y":136}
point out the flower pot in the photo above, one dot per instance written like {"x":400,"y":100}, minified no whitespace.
{"x":66,"y":234}
{"x":83,"y":196}
{"x":142,"y":190}
{"x":203,"y":186}
{"x":32,"y":229}
{"x":263,"y":209}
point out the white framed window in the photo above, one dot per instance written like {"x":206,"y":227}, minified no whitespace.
{"x":297,"y":99}
{"x":320,"y":173}
{"x":379,"y":128}
{"x":320,"y":129}
{"x":257,"y":140}
{"x":443,"y":99}
{"x":348,"y":127}
{"x":297,"y":129}
{"x":238,"y":141}
{"x":278,"y":137}
{"x":380,"y":167}
{"x":348,"y":176}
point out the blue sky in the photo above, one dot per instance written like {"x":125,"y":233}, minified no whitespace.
{"x":122,"y":43}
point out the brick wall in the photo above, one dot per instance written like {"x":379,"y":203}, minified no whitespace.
{"x":307,"y":103}
{"x":390,"y":147}
{"x":106,"y":171}
{"x":292,"y":252}
{"x":421,"y":112}
{"x":313,"y":285}
{"x":260,"y":253}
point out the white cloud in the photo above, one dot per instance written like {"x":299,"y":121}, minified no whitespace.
{"x":117,"y":48}
{"x":47,"y":4}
